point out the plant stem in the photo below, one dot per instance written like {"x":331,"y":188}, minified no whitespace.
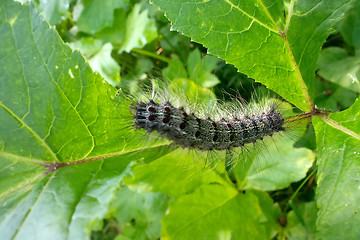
{"x":298,"y":189}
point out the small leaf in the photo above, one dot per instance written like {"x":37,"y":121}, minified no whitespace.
{"x":197,"y":70}
{"x":176,"y":173}
{"x":54,"y":11}
{"x":175,"y":69}
{"x":140,"y":29}
{"x":99,"y":57}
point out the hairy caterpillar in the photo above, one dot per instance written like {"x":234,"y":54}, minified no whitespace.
{"x":215,"y":125}
{"x":218,"y":137}
{"x":190,"y":131}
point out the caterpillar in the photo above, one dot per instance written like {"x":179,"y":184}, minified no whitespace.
{"x":190,"y":131}
{"x":224,"y":126}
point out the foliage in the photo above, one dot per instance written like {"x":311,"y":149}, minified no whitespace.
{"x":71,"y":167}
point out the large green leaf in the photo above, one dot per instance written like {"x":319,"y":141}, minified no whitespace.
{"x":65,"y":142}
{"x":259,"y":40}
{"x":338,"y":195}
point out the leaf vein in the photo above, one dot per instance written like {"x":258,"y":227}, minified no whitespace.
{"x":249,"y":16}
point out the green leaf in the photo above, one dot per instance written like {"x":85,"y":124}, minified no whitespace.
{"x":278,"y":166}
{"x":259,"y":41}
{"x":54,"y":11}
{"x":215,"y":212}
{"x":116,"y":33}
{"x":175,"y":69}
{"x":199,"y":69}
{"x":350,"y":26}
{"x":336,"y":66}
{"x":272,"y":212}
{"x":99,"y":57}
{"x":338,"y":195}
{"x":92,"y":16}
{"x":140,"y":29}
{"x":301,"y":223}
{"x":64,"y":140}
{"x":176,"y":173}
{"x":332,"y":96}
{"x":140,"y":214}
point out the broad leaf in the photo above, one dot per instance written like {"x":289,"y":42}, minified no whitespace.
{"x":259,"y":40}
{"x":65,"y":140}
{"x":338,"y":195}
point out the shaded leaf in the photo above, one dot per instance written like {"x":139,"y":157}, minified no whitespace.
{"x":139,"y":214}
{"x":337,"y":66}
{"x":85,"y":10}
{"x":350,"y":26}
{"x":301,"y":223}
{"x":54,"y":11}
{"x":279,"y":165}
{"x":176,"y":173}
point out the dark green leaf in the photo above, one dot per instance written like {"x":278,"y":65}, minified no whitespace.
{"x":301,"y":223}
{"x":139,"y":214}
{"x":350,"y":26}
